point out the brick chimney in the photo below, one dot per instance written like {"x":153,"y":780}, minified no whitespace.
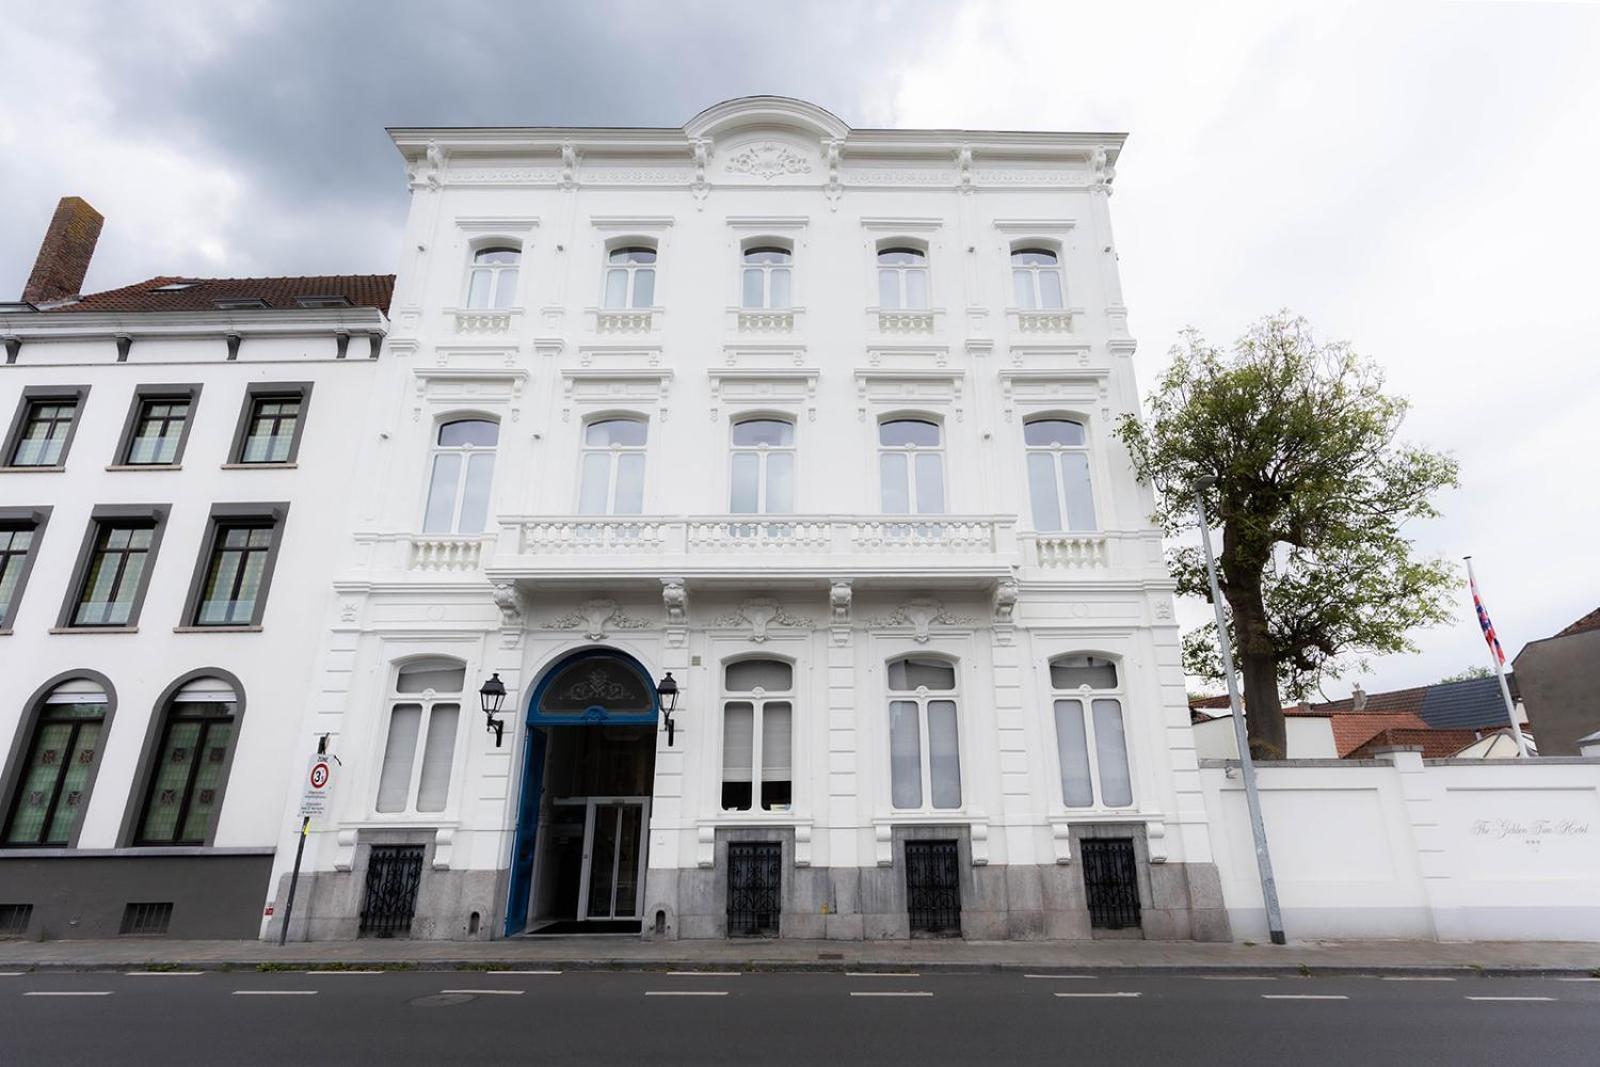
{"x":65,"y":252}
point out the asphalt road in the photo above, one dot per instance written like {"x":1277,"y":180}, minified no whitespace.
{"x":434,"y":1017}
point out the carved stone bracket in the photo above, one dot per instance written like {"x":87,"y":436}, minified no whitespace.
{"x":839,"y":610}
{"x":597,"y":617}
{"x":1005,"y":609}
{"x":675,"y":599}
{"x":513,"y":606}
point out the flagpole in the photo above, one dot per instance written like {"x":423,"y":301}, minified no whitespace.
{"x":1499,"y":668}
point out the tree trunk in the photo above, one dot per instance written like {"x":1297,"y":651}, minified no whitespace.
{"x":1267,"y":732}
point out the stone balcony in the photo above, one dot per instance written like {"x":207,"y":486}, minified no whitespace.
{"x":1055,"y":322}
{"x":632,"y":322}
{"x":799,"y":546}
{"x":480,"y":322}
{"x":766,"y":322}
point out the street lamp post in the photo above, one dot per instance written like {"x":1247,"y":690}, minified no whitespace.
{"x":667,"y":691}
{"x":1247,"y":766}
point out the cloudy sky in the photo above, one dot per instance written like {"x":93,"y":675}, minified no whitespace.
{"x":1422,"y":180}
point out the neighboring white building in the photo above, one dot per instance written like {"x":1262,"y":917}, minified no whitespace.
{"x":819,"y":422}
{"x":175,"y":458}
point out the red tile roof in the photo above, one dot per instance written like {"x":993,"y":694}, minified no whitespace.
{"x":202,"y":294}
{"x":1589,"y":622}
{"x":1353,"y":730}
{"x":1435,"y":744}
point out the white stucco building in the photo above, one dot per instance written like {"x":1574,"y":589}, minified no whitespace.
{"x":818,"y":421}
{"x":174,"y":461}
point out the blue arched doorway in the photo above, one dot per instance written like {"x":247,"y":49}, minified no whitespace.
{"x":578,"y":859}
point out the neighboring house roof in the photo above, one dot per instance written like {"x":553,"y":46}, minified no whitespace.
{"x":202,"y":294}
{"x":1589,"y":622}
{"x":1435,"y":744}
{"x":1352,"y":731}
{"x":1475,"y":702}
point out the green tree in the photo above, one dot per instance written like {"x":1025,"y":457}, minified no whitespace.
{"x":1312,"y":489}
{"x":1466,"y":675}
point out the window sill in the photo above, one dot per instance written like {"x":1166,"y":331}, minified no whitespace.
{"x":53,"y":469}
{"x":216,"y":629}
{"x":144,"y":466}
{"x":94,"y":629}
{"x":260,"y":466}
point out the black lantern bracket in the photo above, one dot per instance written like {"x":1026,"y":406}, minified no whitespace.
{"x":667,"y":691}
{"x":492,"y":696}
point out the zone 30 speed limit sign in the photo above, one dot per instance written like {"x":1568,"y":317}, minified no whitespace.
{"x":318,"y":784}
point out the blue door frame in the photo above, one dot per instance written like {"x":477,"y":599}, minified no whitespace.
{"x":534,"y":748}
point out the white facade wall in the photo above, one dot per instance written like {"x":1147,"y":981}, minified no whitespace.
{"x":271,"y":662}
{"x":832,"y":589}
{"x":1454,"y":850}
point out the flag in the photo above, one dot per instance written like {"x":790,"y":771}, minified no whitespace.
{"x":1485,"y":624}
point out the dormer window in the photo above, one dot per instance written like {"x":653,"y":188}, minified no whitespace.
{"x":492,"y":281}
{"x":174,"y":287}
{"x":1036,"y":279}
{"x":321,"y":302}
{"x":631,"y":277}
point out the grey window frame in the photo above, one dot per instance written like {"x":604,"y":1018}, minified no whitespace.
{"x":257,"y":391}
{"x":141,"y":396}
{"x":156,"y":515}
{"x":35,"y":394}
{"x":22,"y":744}
{"x":275,"y":513}
{"x":155,"y":733}
{"x":35,"y":519}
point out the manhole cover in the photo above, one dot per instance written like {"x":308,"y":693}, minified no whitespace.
{"x":440,"y":1000}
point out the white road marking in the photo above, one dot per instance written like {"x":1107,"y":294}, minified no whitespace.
{"x":1513,"y":998}
{"x":1237,"y":977}
{"x":1084,"y":977}
{"x":887,"y":993}
{"x":522,"y":972}
{"x":685,"y":992}
{"x":703,"y":974}
{"x":488,"y":992}
{"x":1558,"y":979}
{"x":174,"y":974}
{"x":1416,"y":978}
{"x":321,"y":973}
{"x":1304,"y":996}
{"x":1084,"y":995}
{"x":12,"y":974}
{"x":68,"y":993}
{"x":274,"y":992}
{"x":882,"y":974}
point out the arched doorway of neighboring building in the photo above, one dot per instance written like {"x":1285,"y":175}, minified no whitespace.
{"x":578,"y":861}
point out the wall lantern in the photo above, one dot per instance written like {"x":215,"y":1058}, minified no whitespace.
{"x":667,"y":690}
{"x":493,"y":694}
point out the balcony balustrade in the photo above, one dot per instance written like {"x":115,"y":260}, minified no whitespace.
{"x":484,"y":321}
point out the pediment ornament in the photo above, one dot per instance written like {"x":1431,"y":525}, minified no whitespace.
{"x":768,"y":160}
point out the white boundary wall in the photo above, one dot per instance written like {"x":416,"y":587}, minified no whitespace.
{"x":1405,"y":847}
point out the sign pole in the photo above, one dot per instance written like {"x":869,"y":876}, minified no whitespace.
{"x":299,"y":853}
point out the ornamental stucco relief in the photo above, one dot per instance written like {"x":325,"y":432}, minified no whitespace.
{"x":767,"y":160}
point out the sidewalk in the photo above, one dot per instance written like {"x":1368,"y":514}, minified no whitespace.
{"x":627,"y":952}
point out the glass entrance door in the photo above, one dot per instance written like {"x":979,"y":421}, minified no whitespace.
{"x":613,"y":857}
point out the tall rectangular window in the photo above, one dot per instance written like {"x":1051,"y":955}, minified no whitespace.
{"x":758,"y":735}
{"x":425,"y":707}
{"x":46,"y":419}
{"x":113,"y":582}
{"x":1093,"y":747}
{"x":20,"y":531}
{"x":185,"y":789}
{"x":234,"y":572}
{"x":761,"y":481}
{"x":272,"y":423}
{"x":611,"y":481}
{"x":911,"y":467}
{"x":924,"y":738}
{"x":158,"y":426}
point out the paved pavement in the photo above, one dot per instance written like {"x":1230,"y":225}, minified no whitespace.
{"x":552,"y":1016}
{"x":629,"y":952}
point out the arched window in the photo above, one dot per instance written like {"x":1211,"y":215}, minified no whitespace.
{"x":463,"y":468}
{"x":185,"y":788}
{"x":902,"y":278}
{"x":1087,"y":694}
{"x":924,"y":741}
{"x":761,"y":481}
{"x":1036,"y":279}
{"x":911,"y":467}
{"x":631,"y":277}
{"x":424,"y":704}
{"x":758,"y":735}
{"x":53,"y":783}
{"x":1058,"y":474}
{"x":492,"y":279}
{"x":767,"y":276}
{"x":612,"y":478}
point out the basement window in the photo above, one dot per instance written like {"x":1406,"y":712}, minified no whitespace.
{"x":146,"y":919}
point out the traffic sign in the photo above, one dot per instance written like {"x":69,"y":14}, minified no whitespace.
{"x":318,"y":784}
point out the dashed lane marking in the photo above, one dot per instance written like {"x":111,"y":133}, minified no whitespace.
{"x":702,"y":974}
{"x":685,"y":992}
{"x":1237,"y":977}
{"x":1416,"y":978}
{"x":1304,"y":996}
{"x":882,"y":974}
{"x":522,"y":972}
{"x":1514,"y":998}
{"x":164,"y":974}
{"x":1079,"y":977}
{"x":274,"y":992}
{"x":487,"y":992}
{"x":68,"y":993}
{"x":890,"y":993}
{"x":319,"y":974}
{"x":1085,"y":996}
